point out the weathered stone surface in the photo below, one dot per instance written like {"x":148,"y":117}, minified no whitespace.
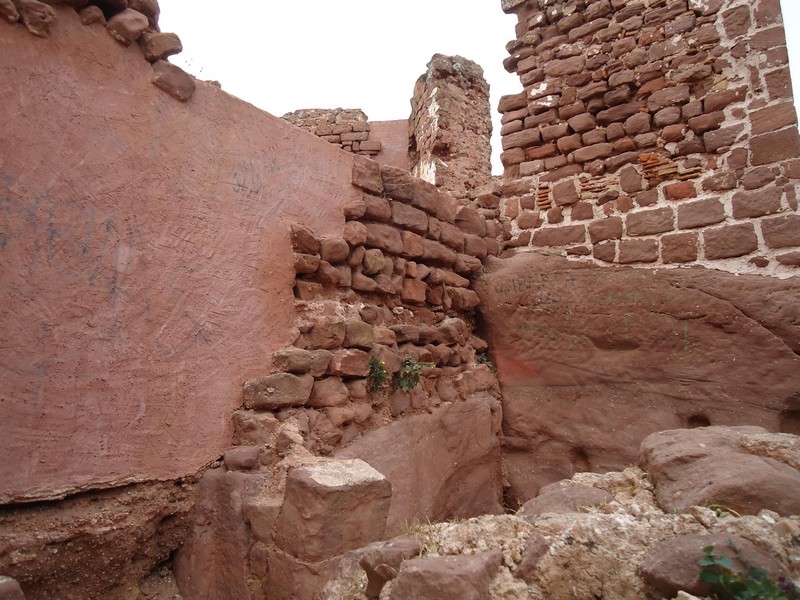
{"x":709,"y":466}
{"x":292,"y":360}
{"x":330,"y":391}
{"x":349,"y":363}
{"x":38,"y":17}
{"x":10,"y":589}
{"x":592,"y":360}
{"x":91,"y":15}
{"x":441,"y":465}
{"x":212,"y":561}
{"x":384,"y":237}
{"x":447,"y":577}
{"x":730,"y":241}
{"x":332,"y":507}
{"x":358,"y":335}
{"x":242,"y":458}
{"x":8,"y":12}
{"x":673,"y":565}
{"x":564,"y":497}
{"x":781,"y":232}
{"x":127,"y":26}
{"x":327,"y":333}
{"x":382,"y":561}
{"x":174,"y":80}
{"x":409,"y":217}
{"x":333,"y":250}
{"x":253,"y":428}
{"x":646,"y":222}
{"x":700,"y":213}
{"x":367,"y":175}
{"x":281,"y":390}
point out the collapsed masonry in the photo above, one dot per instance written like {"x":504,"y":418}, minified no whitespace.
{"x":243,"y":377}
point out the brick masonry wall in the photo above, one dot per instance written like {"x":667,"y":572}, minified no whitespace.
{"x":395,"y":285}
{"x":451,"y":126}
{"x":349,"y":129}
{"x":652,"y":133}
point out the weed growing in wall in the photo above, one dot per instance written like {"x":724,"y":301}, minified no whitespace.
{"x":728,"y":584}
{"x":408,"y":376}
{"x":377,"y":376}
{"x":483,"y":359}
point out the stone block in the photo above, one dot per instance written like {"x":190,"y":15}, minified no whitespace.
{"x":774,"y":147}
{"x":437,"y":253}
{"x":330,"y":391}
{"x":292,"y":360}
{"x":679,"y":248}
{"x":173,"y":80}
{"x":559,"y":236}
{"x":408,"y":217}
{"x":377,"y":209}
{"x":730,"y":241}
{"x":680,"y":191}
{"x":700,"y":213}
{"x":781,"y":232}
{"x":366,"y":174}
{"x":358,"y":334}
{"x":638,"y":251}
{"x":306,"y":263}
{"x":384,"y":237}
{"x":464,"y":577}
{"x":158,"y":46}
{"x":413,"y":291}
{"x":398,"y":183}
{"x":10,"y":589}
{"x":469,"y":220}
{"x":303,"y":240}
{"x":605,"y":229}
{"x":333,"y":250}
{"x":648,"y":222}
{"x":252,"y":428}
{"x":281,"y":390}
{"x":348,"y":362}
{"x":37,"y":17}
{"x":332,"y":507}
{"x":748,"y":205}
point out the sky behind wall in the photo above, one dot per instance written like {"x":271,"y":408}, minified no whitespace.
{"x":283,"y":56}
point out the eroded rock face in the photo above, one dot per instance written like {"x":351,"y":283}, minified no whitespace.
{"x":711,"y":466}
{"x":100,"y":544}
{"x":592,"y":361}
{"x":441,"y":465}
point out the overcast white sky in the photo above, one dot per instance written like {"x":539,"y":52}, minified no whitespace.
{"x":282,"y":56}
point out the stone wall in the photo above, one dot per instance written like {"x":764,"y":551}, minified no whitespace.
{"x":348,"y":129}
{"x":451,"y":127}
{"x":653,"y":133}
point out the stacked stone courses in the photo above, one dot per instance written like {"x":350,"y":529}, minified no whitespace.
{"x":658,"y":132}
{"x":349,"y":129}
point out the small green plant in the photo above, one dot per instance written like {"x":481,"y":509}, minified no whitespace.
{"x":377,"y":376}
{"x":728,"y":584}
{"x":483,"y":359}
{"x":408,"y":376}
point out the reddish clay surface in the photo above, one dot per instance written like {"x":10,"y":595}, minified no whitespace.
{"x":145,"y":262}
{"x":393,"y":136}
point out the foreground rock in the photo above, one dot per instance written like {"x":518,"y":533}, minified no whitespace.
{"x":593,"y":360}
{"x":441,"y":465}
{"x":608,"y":538}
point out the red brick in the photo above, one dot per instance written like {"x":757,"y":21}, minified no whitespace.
{"x":559,"y":236}
{"x":781,"y":232}
{"x":511,"y":127}
{"x":514,"y":102}
{"x":633,"y":251}
{"x":680,"y":191}
{"x":773,"y":147}
{"x":679,"y":248}
{"x":701,"y":213}
{"x":730,"y":241}
{"x":747,"y":205}
{"x":647,"y":222}
{"x":605,"y":229}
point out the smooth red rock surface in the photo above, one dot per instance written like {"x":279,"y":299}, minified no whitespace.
{"x":393,"y":136}
{"x":593,"y":360}
{"x":145,"y":264}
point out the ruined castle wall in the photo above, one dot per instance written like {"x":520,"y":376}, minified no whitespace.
{"x":451,"y":126}
{"x":393,"y":136}
{"x":145,"y":260}
{"x":653,"y":132}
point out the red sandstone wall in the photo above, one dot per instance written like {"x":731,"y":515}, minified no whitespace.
{"x":393,"y":136}
{"x":145,"y":261}
{"x":658,"y":132}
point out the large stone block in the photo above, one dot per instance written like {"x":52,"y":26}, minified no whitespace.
{"x":442,"y":465}
{"x":331,"y":507}
{"x":281,"y":390}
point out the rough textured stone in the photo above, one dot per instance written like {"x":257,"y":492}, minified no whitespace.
{"x":673,"y":565}
{"x":173,"y":80}
{"x":709,"y":466}
{"x":605,"y":229}
{"x":281,"y":390}
{"x":367,"y":175}
{"x":330,"y":391}
{"x":10,"y":589}
{"x":349,"y":363}
{"x":730,"y":241}
{"x":447,"y":577}
{"x":564,"y":497}
{"x":332,"y":507}
{"x":382,"y":561}
{"x":292,"y":360}
{"x":635,"y":251}
{"x":8,"y":12}
{"x":700,"y":213}
{"x":781,"y":232}
{"x":603,"y":357}
{"x":127,"y":26}
{"x":646,"y":222}
{"x":436,"y":473}
{"x":679,"y":248}
{"x":38,"y":17}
